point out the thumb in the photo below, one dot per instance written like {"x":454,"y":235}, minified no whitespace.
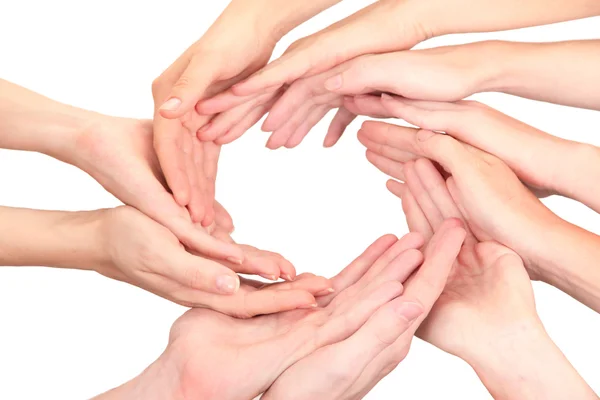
{"x":189,"y":88}
{"x":447,"y":151}
{"x":366,"y":74}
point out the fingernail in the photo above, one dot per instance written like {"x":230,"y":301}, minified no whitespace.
{"x":270,"y":277}
{"x":325,"y":292}
{"x":314,"y":305}
{"x":410,"y":311}
{"x":171,"y":105}
{"x":234,"y":260}
{"x":287,"y":278}
{"x":424,"y":135}
{"x":385,"y":96}
{"x":227,"y":284}
{"x":334,"y":82}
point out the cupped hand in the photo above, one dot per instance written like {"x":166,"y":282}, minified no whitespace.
{"x":443,"y":74}
{"x":226,"y":54}
{"x":350,"y":368}
{"x":213,"y":356}
{"x":478,"y":182}
{"x":118,"y":153}
{"x":488,"y":294}
{"x":144,"y":253}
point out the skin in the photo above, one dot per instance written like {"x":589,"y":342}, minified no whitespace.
{"x":449,"y":74}
{"x":391,"y":25}
{"x":486,"y":314}
{"x":552,"y":249}
{"x":126,"y":245}
{"x":238,"y":44}
{"x":204,"y":359}
{"x":118,"y":153}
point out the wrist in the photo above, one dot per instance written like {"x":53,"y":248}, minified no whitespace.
{"x":523,"y":363}
{"x":157,"y":382}
{"x":497,"y":63}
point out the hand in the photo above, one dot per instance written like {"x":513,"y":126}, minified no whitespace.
{"x":508,"y":139}
{"x":445,"y":74}
{"x":212,"y":356}
{"x":350,"y":368}
{"x":478,"y":182}
{"x":229,"y":51}
{"x":488,"y":293}
{"x":144,"y":253}
{"x":118,"y":153}
{"x":486,"y":314}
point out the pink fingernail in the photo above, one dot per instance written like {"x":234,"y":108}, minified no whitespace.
{"x":234,"y":260}
{"x":287,"y":278}
{"x":385,"y":96}
{"x":325,"y":292}
{"x":270,"y":277}
{"x":227,"y":284}
{"x":305,"y":306}
{"x":334,"y":82}
{"x":171,"y":105}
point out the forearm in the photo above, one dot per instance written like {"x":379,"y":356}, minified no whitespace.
{"x":274,"y":18}
{"x":567,"y":257}
{"x":446,"y":17}
{"x":32,"y":122}
{"x":525,"y":364}
{"x":561,"y":73}
{"x":50,"y":238}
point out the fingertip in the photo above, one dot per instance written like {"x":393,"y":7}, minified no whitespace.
{"x":172,"y":108}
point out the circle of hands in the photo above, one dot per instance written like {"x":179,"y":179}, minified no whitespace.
{"x":455,"y":279}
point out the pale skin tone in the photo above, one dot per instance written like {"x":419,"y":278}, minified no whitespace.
{"x":211,"y":356}
{"x":385,"y":26}
{"x":118,"y":153}
{"x":440,"y":74}
{"x":126,"y":245}
{"x":485,"y":315}
{"x":553,"y":250}
{"x":238,"y":44}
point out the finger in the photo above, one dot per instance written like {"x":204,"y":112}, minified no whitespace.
{"x":416,"y":220}
{"x":245,"y":124}
{"x":195,"y":166}
{"x":200,"y":273}
{"x":421,"y":195}
{"x":316,"y":285}
{"x":387,"y":166}
{"x":434,"y":116}
{"x":367,"y":105}
{"x":429,"y":281}
{"x":368,"y":74}
{"x":260,"y":302}
{"x":313,"y":118}
{"x":223,"y":122}
{"x":283,"y":134}
{"x":211,"y":154}
{"x":298,"y":94}
{"x":168,"y":144}
{"x":357,"y":268}
{"x":200,"y":241}
{"x":407,"y":242}
{"x":189,"y":88}
{"x":222,"y":102}
{"x":435,"y":185}
{"x":338,"y":126}
{"x":222,"y":218}
{"x":384,"y":150}
{"x":401,"y":138}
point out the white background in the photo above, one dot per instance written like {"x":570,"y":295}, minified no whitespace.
{"x":71,"y":334}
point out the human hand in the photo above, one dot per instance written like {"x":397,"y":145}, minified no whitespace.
{"x":234,"y":47}
{"x":350,"y":368}
{"x":488,"y":293}
{"x":144,"y":253}
{"x":118,"y":153}
{"x":445,"y":74}
{"x":478,"y":182}
{"x":486,"y":314}
{"x":211,"y":355}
